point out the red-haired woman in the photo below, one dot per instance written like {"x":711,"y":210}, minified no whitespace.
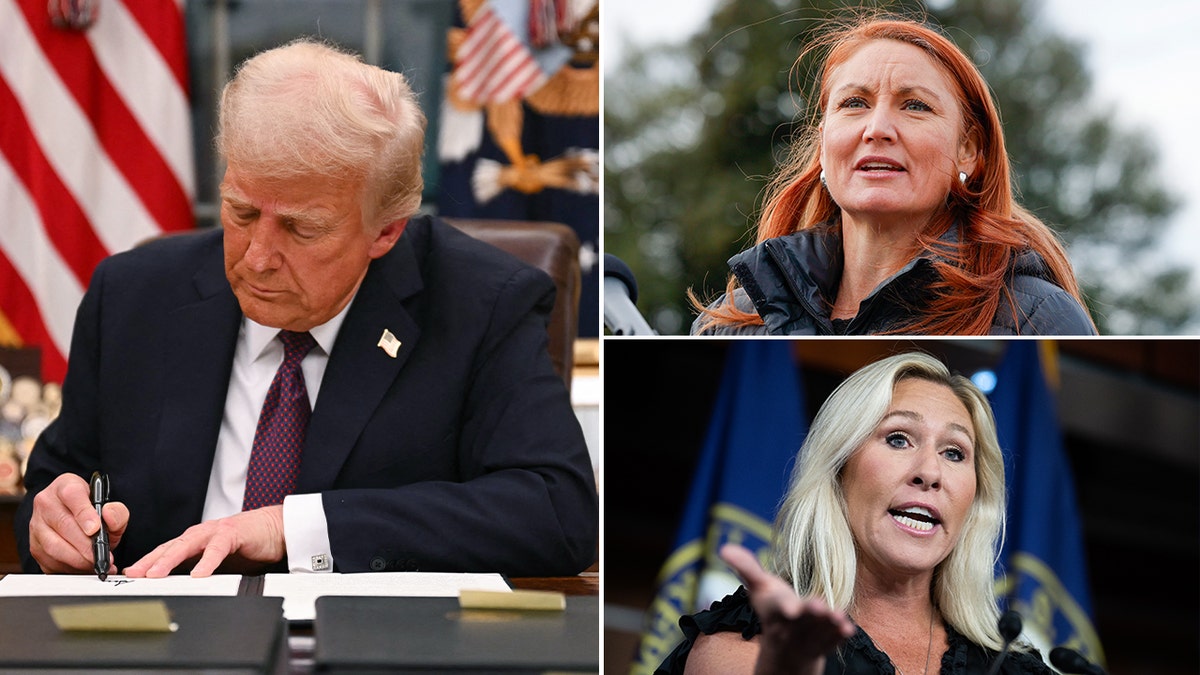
{"x":895,"y":212}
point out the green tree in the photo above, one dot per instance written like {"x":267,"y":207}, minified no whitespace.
{"x":692,"y":132}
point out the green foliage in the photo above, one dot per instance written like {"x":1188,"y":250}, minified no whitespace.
{"x":693,"y":131}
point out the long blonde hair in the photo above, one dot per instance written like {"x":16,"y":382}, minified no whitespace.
{"x":813,"y":546}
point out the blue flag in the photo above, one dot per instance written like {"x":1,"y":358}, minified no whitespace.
{"x":1043,"y":571}
{"x":757,"y":425}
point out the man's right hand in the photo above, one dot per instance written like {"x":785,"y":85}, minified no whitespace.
{"x":62,"y":525}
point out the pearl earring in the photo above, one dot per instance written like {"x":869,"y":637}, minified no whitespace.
{"x":962,"y":177}
{"x":823,"y":179}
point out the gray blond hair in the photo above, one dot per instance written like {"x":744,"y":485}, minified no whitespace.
{"x":308,"y":108}
{"x":814,"y":549}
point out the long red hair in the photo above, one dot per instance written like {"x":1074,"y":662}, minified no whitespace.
{"x":995,"y":228}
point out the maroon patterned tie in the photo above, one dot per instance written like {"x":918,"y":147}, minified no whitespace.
{"x":282,"y":424}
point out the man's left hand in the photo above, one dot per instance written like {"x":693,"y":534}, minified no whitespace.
{"x":248,"y":537}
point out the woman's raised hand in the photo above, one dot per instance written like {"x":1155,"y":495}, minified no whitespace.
{"x":797,"y":632}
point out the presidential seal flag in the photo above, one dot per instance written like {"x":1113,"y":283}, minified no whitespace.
{"x":1042,"y":572}
{"x":95,"y":152}
{"x":519,"y":127}
{"x":757,"y":425}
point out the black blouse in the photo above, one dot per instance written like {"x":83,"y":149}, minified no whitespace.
{"x":856,"y":656}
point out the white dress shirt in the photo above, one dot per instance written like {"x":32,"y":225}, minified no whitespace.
{"x":255,"y":359}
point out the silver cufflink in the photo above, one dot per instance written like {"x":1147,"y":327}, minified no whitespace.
{"x":320,"y":562}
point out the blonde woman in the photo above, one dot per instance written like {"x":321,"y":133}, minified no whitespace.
{"x":884,"y":543}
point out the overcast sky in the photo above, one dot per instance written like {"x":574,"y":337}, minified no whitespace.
{"x":1143,"y":62}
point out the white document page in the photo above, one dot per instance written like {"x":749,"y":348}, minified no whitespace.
{"x":117,"y":585}
{"x":300,"y":591}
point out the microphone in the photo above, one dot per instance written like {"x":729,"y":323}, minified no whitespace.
{"x":621,"y":315}
{"x":1010,"y":627}
{"x":1070,"y":661}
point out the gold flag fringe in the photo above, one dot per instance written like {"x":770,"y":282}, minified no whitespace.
{"x":570,"y":92}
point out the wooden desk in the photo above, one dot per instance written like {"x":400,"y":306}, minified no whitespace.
{"x":10,"y":562}
{"x":587,"y":583}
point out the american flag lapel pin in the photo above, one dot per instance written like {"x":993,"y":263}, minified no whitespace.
{"x":388,"y":343}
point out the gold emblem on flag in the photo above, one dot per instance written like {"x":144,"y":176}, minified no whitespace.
{"x":572,"y":90}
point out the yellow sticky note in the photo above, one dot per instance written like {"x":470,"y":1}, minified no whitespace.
{"x":132,"y":616}
{"x":542,"y":600}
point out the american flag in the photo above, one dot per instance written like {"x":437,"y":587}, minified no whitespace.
{"x":95,"y":152}
{"x":495,"y":61}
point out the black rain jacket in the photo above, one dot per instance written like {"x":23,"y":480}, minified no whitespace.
{"x":791,"y":281}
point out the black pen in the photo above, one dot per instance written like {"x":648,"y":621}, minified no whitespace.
{"x":99,"y":485}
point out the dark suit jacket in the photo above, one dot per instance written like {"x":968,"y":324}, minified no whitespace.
{"x":461,"y":454}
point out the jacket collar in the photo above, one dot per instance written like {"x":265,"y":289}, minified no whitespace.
{"x":360,"y":370}
{"x":198,"y":347}
{"x":198,"y":341}
{"x":797,"y":275}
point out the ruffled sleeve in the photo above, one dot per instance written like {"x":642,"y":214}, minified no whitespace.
{"x":965,"y":657}
{"x":732,"y":613}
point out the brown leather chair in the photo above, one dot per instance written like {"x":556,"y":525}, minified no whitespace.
{"x":554,"y":248}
